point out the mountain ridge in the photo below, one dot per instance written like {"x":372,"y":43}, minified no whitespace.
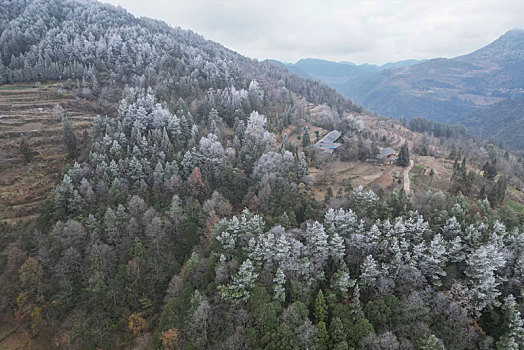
{"x":335,"y":74}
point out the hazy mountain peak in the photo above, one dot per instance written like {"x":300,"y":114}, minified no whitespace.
{"x":514,"y":31}
{"x":508,"y":47}
{"x":514,"y":36}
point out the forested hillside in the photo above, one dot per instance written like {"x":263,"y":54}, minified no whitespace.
{"x":95,"y":42}
{"x":189,"y":220}
{"x":502,"y":122}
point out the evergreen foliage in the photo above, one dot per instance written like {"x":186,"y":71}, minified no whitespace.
{"x":185,"y":222}
{"x":403,"y":156}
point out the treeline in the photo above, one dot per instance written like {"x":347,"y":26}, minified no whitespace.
{"x":438,"y":129}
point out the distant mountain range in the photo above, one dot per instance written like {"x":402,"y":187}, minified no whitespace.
{"x":336,"y":74}
{"x":481,"y":90}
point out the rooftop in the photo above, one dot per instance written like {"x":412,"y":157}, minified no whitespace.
{"x":386,"y":152}
{"x":329,"y":139}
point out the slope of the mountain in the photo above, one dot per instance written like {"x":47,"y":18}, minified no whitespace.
{"x":145,"y":242}
{"x":502,"y":121}
{"x":444,"y":89}
{"x":399,"y":64}
{"x":178,"y":88}
{"x":333,"y":73}
{"x":61,"y":39}
{"x":292,"y":68}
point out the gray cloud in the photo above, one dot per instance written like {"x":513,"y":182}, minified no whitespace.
{"x":357,"y":31}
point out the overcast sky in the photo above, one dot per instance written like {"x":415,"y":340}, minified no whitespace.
{"x":357,"y":31}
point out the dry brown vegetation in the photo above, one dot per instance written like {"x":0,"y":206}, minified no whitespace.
{"x":27,"y":112}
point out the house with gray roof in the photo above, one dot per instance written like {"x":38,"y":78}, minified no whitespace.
{"x":387,"y":155}
{"x":327,"y":143}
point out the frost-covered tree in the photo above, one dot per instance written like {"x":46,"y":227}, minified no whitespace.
{"x":256,"y":94}
{"x":213,"y":154}
{"x":280,"y":163}
{"x":238,"y":231}
{"x":364,"y":198}
{"x":482,"y":264}
{"x":451,"y":229}
{"x":337,"y":248}
{"x":243,"y":282}
{"x":340,"y":221}
{"x":305,"y":138}
{"x":435,"y":260}
{"x":279,"y":289}
{"x":66,"y":198}
{"x":341,"y":281}
{"x":257,"y":140}
{"x":317,"y":242}
{"x":514,"y":337}
{"x":369,"y":272}
{"x":211,"y":148}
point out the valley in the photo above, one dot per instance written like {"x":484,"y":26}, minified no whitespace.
{"x":481,"y":90}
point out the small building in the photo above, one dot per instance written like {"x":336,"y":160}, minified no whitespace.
{"x":387,"y":155}
{"x":327,"y":143}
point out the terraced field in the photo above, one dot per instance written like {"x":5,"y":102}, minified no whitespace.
{"x":27,"y":112}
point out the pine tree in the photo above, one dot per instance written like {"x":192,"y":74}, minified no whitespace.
{"x":453,"y":153}
{"x":459,"y":178}
{"x":481,"y":266}
{"x":320,"y":311}
{"x":26,"y":151}
{"x":110,"y":227}
{"x":403,"y":156}
{"x":347,"y":186}
{"x":305,"y":138}
{"x":490,"y":171}
{"x":431,"y":175}
{"x":302,"y":169}
{"x":293,"y":219}
{"x":279,"y":290}
{"x":430,"y":343}
{"x":337,"y":248}
{"x":435,"y":259}
{"x":69,"y":137}
{"x":329,"y":194}
{"x":369,"y":272}
{"x":322,"y":336}
{"x":338,"y":335}
{"x":498,"y":192}
{"x":514,"y":337}
{"x":284,"y":221}
{"x":195,"y":183}
{"x":355,"y":305}
{"x":341,"y":281}
{"x":317,"y":241}
{"x":242,"y":283}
